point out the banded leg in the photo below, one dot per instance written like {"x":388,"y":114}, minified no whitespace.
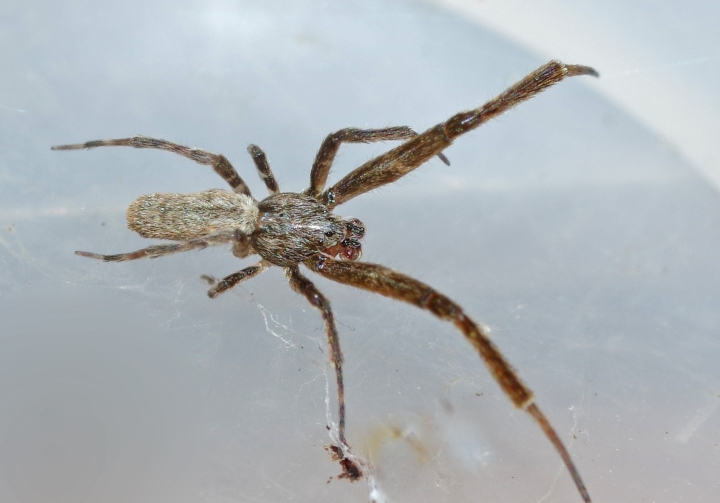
{"x":331,"y":144}
{"x":218,"y":162}
{"x":401,"y":160}
{"x":228,"y":282}
{"x":162,"y":250}
{"x":385,"y":281}
{"x":263,"y":167}
{"x":304,"y":286}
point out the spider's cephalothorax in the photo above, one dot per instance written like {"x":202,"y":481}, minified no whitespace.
{"x":288,"y":229}
{"x":284,"y":229}
{"x":292,"y":227}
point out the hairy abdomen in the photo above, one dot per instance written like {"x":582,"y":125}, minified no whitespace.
{"x":188,"y":216}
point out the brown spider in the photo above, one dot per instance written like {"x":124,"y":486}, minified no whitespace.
{"x":288,"y":229}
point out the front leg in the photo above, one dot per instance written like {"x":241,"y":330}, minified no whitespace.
{"x":385,"y":281}
{"x":401,"y":160}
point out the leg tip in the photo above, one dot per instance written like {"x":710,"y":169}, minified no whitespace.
{"x":573,"y":70}
{"x":104,"y":258}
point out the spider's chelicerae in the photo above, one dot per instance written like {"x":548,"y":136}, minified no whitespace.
{"x":288,"y":229}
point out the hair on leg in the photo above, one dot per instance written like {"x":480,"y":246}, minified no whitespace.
{"x":167,"y":249}
{"x":230,"y":281}
{"x":330,"y":146}
{"x":263,"y":167}
{"x":218,"y":162}
{"x":389,"y":283}
{"x":304,"y":286}
{"x":401,"y":160}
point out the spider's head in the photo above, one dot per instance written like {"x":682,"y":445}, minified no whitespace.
{"x":349,"y":248}
{"x":292,"y":227}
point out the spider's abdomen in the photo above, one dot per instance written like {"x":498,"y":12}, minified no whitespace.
{"x":292,"y":227}
{"x":188,"y":216}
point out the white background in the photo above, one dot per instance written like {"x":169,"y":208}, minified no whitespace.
{"x":582,"y":228}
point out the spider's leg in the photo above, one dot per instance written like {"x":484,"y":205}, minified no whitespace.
{"x":230,"y":281}
{"x":263,"y":168}
{"x":304,"y":286}
{"x":329,"y":148}
{"x":161,"y":250}
{"x":401,"y":160}
{"x":389,"y":283}
{"x":218,"y":162}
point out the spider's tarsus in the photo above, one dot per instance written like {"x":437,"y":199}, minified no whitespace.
{"x":209,"y":279}
{"x":78,"y":146}
{"x":214,"y":283}
{"x":105,"y":258}
{"x":444,"y":159}
{"x":550,"y":433}
{"x":216,"y":289}
{"x":581,"y":70}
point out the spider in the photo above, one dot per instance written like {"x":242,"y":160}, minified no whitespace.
{"x":287,"y":229}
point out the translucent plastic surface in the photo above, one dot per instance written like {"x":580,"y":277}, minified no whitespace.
{"x":585,"y":243}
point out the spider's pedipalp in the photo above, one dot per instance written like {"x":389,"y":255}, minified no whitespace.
{"x":378,"y":279}
{"x":401,"y":160}
{"x":350,"y":247}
